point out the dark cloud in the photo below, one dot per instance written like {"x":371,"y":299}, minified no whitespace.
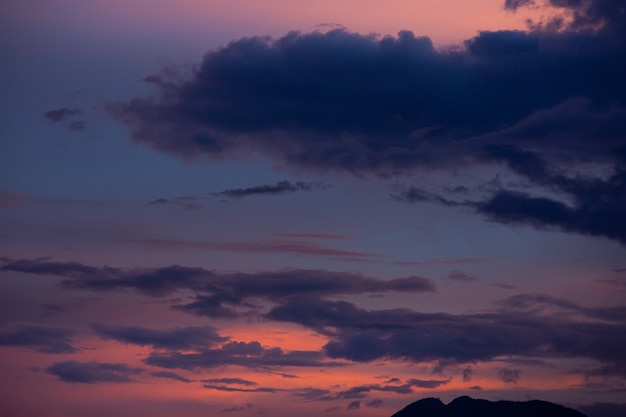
{"x":184,"y":338}
{"x":417,"y":195}
{"x":41,"y":339}
{"x":186,"y":202}
{"x":366,"y":335}
{"x":354,"y":405}
{"x":596,"y":209}
{"x":219,"y":295}
{"x":543,"y":303}
{"x":170,"y":375}
{"x":468,"y":373}
{"x":362,"y":391}
{"x":93,"y":372}
{"x":237,"y":381}
{"x":461,"y":277}
{"x":62,"y":114}
{"x":66,"y":114}
{"x":365,"y":103}
{"x":508,"y":375}
{"x":77,"y":125}
{"x":360,"y":102}
{"x":281,"y":187}
{"x":246,"y":354}
{"x":226,"y":388}
{"x":376,"y":403}
{"x":582,"y":204}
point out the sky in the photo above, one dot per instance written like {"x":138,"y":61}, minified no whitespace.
{"x":326,"y":208}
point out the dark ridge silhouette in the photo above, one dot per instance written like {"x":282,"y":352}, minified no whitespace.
{"x":469,"y":407}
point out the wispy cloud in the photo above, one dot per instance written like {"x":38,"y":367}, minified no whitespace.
{"x":281,"y":187}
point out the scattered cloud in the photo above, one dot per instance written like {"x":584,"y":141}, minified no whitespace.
{"x":245,"y":354}
{"x":43,"y":339}
{"x":93,"y":372}
{"x":508,"y":375}
{"x":376,"y":403}
{"x":354,"y":405}
{"x":281,"y":187}
{"x":293,"y":246}
{"x":183,"y":338}
{"x":461,"y":277}
{"x":170,"y":375}
{"x":61,"y":114}
{"x":68,"y":115}
{"x":468,"y":373}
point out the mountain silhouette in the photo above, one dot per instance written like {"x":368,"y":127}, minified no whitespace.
{"x":469,"y":407}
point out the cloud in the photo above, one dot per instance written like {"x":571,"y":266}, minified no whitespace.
{"x":293,"y":246}
{"x":583,"y":204}
{"x":376,"y":403}
{"x":361,"y":335}
{"x":362,"y":391}
{"x":346,"y":101}
{"x":77,"y":125}
{"x":461,"y":277}
{"x":246,"y":354}
{"x":508,"y":375}
{"x":354,"y":405}
{"x":281,"y":187}
{"x":184,"y":338}
{"x":41,"y":339}
{"x":66,"y":114}
{"x":597,"y":209}
{"x":226,"y":388}
{"x":392,"y":104}
{"x":170,"y":375}
{"x":186,"y":202}
{"x":219,"y":295}
{"x":468,"y":373}
{"x":61,"y":114}
{"x":93,"y":372}
{"x":237,"y":381}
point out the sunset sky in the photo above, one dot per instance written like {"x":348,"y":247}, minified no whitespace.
{"x":311,"y":208}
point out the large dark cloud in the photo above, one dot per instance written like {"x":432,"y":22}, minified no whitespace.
{"x":39,"y":338}
{"x":364,"y":103}
{"x":523,"y":327}
{"x":360,"y":102}
{"x":93,"y":372}
{"x":176,"y":339}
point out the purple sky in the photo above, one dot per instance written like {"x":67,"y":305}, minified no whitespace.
{"x":263,"y":208}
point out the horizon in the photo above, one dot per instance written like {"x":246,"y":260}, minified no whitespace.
{"x":263,"y":208}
